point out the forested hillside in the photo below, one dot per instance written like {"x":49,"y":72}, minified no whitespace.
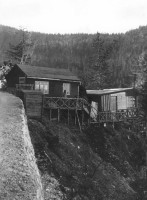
{"x":101,"y":60}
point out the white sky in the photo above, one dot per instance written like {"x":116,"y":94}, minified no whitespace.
{"x":74,"y":16}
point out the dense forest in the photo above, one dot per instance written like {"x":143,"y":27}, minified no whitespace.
{"x":101,"y":60}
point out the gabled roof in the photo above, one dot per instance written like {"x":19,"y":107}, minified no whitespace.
{"x":107,"y":91}
{"x":48,"y":73}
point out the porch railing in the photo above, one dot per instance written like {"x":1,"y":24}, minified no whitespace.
{"x":120,"y":115}
{"x":65,"y":103}
{"x":94,"y":114}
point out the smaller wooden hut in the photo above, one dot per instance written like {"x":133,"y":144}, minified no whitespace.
{"x":113,"y":104}
{"x":113,"y":99}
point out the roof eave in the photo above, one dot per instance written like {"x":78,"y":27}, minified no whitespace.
{"x":68,"y":80}
{"x":109,"y":92}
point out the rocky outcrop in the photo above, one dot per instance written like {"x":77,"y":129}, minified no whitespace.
{"x":19,"y":175}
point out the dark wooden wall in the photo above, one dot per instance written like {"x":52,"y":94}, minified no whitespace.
{"x":56,"y":87}
{"x":13,"y":76}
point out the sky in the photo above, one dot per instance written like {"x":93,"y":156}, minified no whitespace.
{"x":74,"y":16}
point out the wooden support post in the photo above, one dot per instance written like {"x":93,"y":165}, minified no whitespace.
{"x":42,"y":107}
{"x":89,"y":117}
{"x":78,"y":121}
{"x":68,"y":116}
{"x":58,"y":114}
{"x":88,"y":121}
{"x":50,"y":114}
{"x":146,"y":137}
{"x":75,"y":118}
{"x":82,"y":117}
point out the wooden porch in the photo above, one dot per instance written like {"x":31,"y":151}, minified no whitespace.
{"x":82,"y":107}
{"x":118,"y":116}
{"x":77,"y":109}
{"x":65,"y":103}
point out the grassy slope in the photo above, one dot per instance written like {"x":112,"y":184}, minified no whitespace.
{"x":72,"y":167}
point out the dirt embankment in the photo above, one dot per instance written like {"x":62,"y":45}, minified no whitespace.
{"x":19,"y":175}
{"x":72,"y":166}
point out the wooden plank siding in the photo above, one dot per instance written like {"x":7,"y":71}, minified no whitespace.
{"x":55,"y":77}
{"x":13,"y":77}
{"x":114,"y":102}
{"x":56,"y":87}
{"x":33,"y":102}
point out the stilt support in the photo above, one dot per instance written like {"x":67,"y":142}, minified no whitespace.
{"x":58,"y":114}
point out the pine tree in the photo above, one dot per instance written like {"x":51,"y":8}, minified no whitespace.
{"x":98,"y":66}
{"x":18,"y":53}
{"x":15,"y":52}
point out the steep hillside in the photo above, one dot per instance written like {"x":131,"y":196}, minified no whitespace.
{"x":99,"y":164}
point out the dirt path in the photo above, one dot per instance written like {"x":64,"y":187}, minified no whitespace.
{"x":19,"y":176}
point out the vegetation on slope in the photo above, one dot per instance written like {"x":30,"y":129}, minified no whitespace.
{"x":101,"y":163}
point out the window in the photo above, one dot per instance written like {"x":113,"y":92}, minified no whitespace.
{"x":22,"y":80}
{"x":66,"y":88}
{"x":42,"y":86}
{"x":113,"y":103}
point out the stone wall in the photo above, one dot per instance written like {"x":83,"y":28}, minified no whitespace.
{"x":19,"y":175}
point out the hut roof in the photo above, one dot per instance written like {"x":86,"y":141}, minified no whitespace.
{"x":107,"y":91}
{"x":48,"y":73}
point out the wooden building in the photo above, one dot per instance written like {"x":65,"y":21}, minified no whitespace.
{"x":52,"y":82}
{"x":60,"y":99}
{"x":113,"y":104}
{"x":113,"y":99}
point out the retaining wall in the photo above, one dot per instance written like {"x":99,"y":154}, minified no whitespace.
{"x":19,"y":175}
